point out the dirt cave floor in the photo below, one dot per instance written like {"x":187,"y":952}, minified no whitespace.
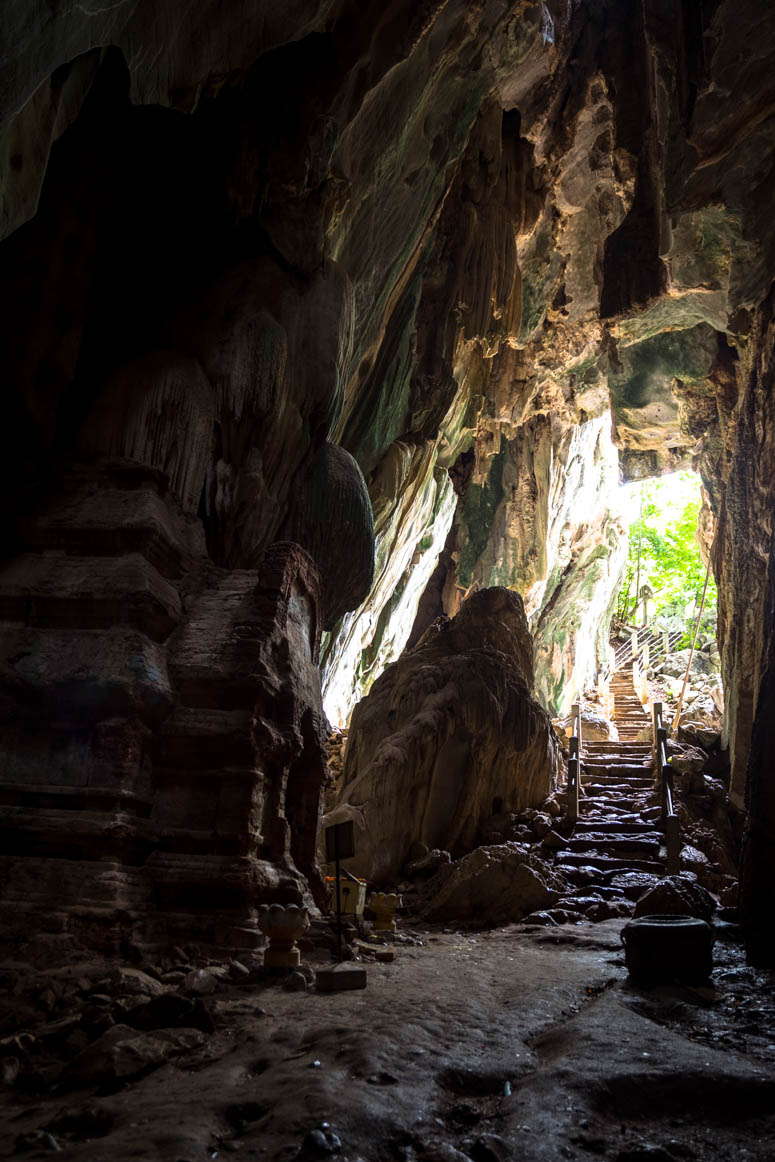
{"x":505,"y":1044}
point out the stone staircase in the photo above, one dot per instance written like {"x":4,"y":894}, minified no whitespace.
{"x":629,"y":715}
{"x":616,"y":849}
{"x":611,"y":833}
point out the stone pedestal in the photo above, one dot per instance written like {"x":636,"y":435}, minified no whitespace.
{"x":282,"y":928}
{"x":383,"y":905}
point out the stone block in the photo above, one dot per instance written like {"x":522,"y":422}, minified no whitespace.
{"x":340,"y":978}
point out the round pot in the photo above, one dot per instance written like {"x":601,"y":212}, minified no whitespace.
{"x":668,"y":949}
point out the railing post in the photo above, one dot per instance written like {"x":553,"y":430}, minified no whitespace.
{"x":634,"y":643}
{"x":666,"y":642}
{"x":673,"y":844}
{"x":574,"y":765}
{"x":670,"y":822}
{"x":575,"y":711}
{"x":572,"y":806}
{"x":643,"y":693}
{"x":665,"y":774}
{"x":656,"y":720}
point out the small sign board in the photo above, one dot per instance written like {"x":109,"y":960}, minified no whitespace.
{"x":340,"y":841}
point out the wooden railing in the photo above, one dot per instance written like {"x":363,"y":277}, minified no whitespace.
{"x":605,"y":694}
{"x":639,"y":669}
{"x":665,"y":780}
{"x":574,"y":764}
{"x":658,"y":644}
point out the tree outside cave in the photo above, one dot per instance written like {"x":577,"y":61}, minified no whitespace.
{"x":665,"y":574}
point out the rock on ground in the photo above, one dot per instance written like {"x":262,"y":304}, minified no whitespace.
{"x":676,"y":896}
{"x":494,"y":885}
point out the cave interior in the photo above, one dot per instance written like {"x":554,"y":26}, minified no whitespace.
{"x":330,"y":332}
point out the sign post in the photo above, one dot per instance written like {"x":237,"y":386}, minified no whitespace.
{"x":340,"y":844}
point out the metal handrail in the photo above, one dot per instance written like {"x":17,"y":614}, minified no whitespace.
{"x":574,"y":764}
{"x":670,"y":821}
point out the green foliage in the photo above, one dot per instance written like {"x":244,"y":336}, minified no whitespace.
{"x":670,"y":565}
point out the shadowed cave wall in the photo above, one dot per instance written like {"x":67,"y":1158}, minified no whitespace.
{"x":312,"y":320}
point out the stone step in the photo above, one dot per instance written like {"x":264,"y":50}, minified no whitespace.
{"x":598,"y":798}
{"x":608,"y":813}
{"x":611,"y":842}
{"x":627,"y":752}
{"x":609,"y":744}
{"x":601,"y":825}
{"x":613,"y":746}
{"x":604,"y":863}
{"x":639,"y":759}
{"x":615,"y":786}
{"x":638,"y":752}
{"x":601,"y":790}
{"x":626,"y":768}
{"x":616,"y":775}
{"x":643,"y":777}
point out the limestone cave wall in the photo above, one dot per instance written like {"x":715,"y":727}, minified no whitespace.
{"x":321,"y":321}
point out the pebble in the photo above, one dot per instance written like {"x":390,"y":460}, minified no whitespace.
{"x":37,"y":1140}
{"x":322,"y":1142}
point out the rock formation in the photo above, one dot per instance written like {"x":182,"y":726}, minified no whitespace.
{"x":448,"y":736}
{"x":162,"y":725}
{"x":494,"y":885}
{"x":279,"y":271}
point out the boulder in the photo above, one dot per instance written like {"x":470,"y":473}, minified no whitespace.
{"x":122,"y":1053}
{"x":553,"y":841}
{"x":427,"y":865}
{"x":170,"y":1011}
{"x":494,"y":885}
{"x":541,"y":824}
{"x":448,"y":737}
{"x":594,"y":728}
{"x":701,"y":708}
{"x":635,"y":884}
{"x":676,"y":896}
{"x":694,"y":733}
{"x":608,"y":910}
{"x":687,"y":760}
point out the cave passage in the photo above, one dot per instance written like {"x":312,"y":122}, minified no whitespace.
{"x":330,"y":333}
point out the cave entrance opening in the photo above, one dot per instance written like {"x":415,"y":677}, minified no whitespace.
{"x":667,"y":600}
